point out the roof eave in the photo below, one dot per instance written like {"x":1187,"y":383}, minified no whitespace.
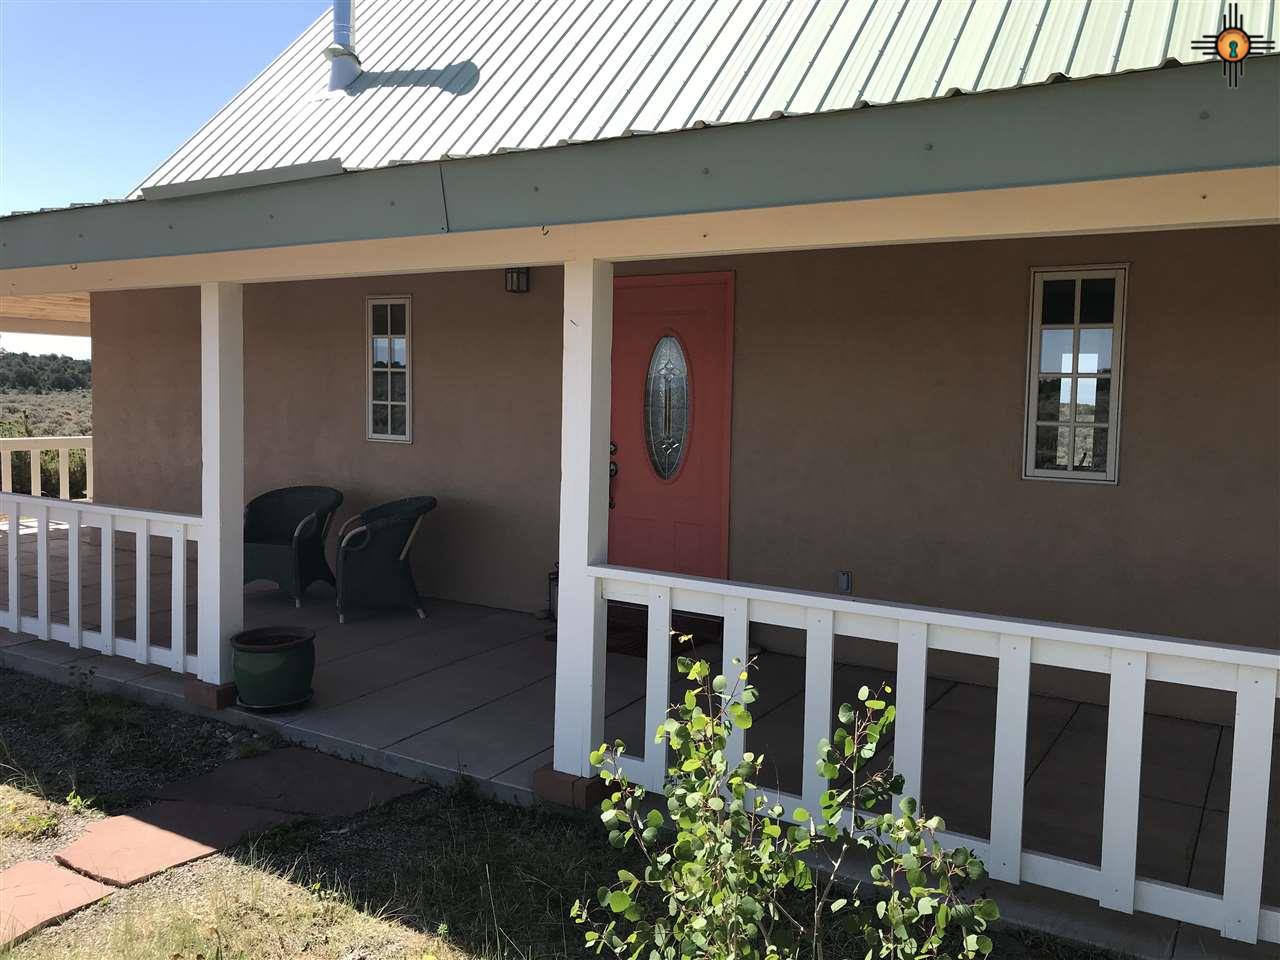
{"x":1140,"y":124}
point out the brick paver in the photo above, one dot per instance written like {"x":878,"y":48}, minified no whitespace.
{"x":34,"y":894}
{"x":130,"y":848}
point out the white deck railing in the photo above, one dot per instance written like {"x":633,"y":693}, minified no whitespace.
{"x":1129,"y":660}
{"x":35,"y":446}
{"x":40,"y":515}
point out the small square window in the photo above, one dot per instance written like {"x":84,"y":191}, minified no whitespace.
{"x":388,"y":374}
{"x":1073,"y":388}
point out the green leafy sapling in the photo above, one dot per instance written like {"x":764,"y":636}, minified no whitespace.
{"x":726,"y":876}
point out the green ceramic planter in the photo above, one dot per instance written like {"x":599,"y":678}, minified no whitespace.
{"x":273,"y":667}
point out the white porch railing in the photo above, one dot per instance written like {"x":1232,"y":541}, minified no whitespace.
{"x":38,"y":516}
{"x":1129,"y":660}
{"x":37,"y":445}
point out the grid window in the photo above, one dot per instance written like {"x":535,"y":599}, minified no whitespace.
{"x":389,"y":400}
{"x":1073,"y":402}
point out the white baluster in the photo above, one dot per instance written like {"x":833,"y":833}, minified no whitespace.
{"x":1013,"y":694}
{"x":819,"y":653}
{"x":657,"y":685}
{"x":1123,"y":779}
{"x":36,"y":487}
{"x":909,"y":705}
{"x":6,"y":470}
{"x":1247,"y":811}
{"x":88,"y":470}
{"x":107,"y":605}
{"x":73,"y":581}
{"x":64,"y":473}
{"x":178,"y":601}
{"x":142,"y":593}
{"x":736,"y":631}
{"x":12,"y":510}
{"x":43,"y":617}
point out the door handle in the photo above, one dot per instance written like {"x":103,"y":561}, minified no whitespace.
{"x":613,"y":470}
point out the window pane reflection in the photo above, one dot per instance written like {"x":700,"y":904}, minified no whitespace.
{"x":380,"y":319}
{"x":1053,"y":448}
{"x":397,"y":319}
{"x":379,"y":385}
{"x":380,"y":418}
{"x":397,"y":386}
{"x":397,"y":352}
{"x":1093,"y":399}
{"x":1091,"y":448}
{"x":397,"y":419}
{"x":1054,"y":402}
{"x":381,"y":351}
{"x":1056,"y":347}
{"x":1095,"y":351}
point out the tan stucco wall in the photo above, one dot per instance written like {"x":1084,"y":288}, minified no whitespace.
{"x":878,"y":424}
{"x":146,"y":398}
{"x":877,"y":427}
{"x":486,"y":419}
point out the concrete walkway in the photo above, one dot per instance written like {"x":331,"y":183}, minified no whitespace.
{"x":193,"y":819}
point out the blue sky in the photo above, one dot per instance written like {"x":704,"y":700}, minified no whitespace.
{"x":94,"y":95}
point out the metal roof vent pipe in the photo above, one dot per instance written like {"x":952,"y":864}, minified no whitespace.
{"x":344,"y":65}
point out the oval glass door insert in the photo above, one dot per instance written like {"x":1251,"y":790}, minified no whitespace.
{"x":666,"y":406}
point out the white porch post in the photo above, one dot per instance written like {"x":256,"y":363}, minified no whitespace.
{"x":584,"y":511}
{"x":221,"y":560}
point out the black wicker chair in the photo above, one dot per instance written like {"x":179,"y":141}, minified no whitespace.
{"x":373,"y":556}
{"x":284,"y":534}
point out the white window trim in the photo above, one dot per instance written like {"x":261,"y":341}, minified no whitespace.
{"x":1119,"y":271}
{"x":369,"y":303}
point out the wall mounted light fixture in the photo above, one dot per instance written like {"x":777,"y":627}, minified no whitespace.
{"x":517,"y":279}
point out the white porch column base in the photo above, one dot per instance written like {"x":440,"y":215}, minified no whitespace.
{"x":584,"y":512}
{"x":221,"y":558}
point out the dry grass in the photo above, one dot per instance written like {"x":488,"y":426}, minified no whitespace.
{"x":218,"y":908}
{"x":24,"y":817}
{"x":32,"y":826}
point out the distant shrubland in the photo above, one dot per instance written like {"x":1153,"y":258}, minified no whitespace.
{"x":45,"y":396}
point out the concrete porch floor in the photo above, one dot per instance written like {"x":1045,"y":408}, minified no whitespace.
{"x":471,"y":690}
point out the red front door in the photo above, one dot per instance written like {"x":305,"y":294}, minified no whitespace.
{"x":671,"y":402}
